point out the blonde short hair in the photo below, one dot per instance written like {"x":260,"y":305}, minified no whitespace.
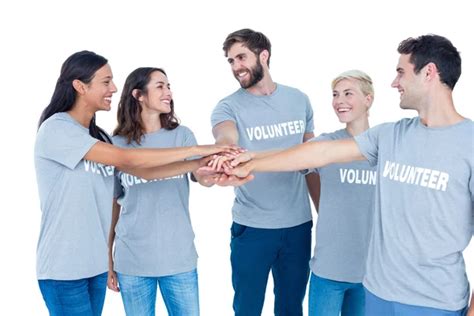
{"x":364,"y":80}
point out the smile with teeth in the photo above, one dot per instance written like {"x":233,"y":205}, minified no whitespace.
{"x":108,"y":99}
{"x":343,"y":110}
{"x":242,"y":74}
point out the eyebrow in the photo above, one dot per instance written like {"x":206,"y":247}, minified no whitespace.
{"x":236,"y":56}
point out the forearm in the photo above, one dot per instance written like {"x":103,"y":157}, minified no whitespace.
{"x":115,"y":217}
{"x":470,"y":311}
{"x":166,"y":171}
{"x":314,"y":188}
{"x":308,"y":155}
{"x":142,"y":158}
{"x":226,"y":133}
{"x":151,"y":159}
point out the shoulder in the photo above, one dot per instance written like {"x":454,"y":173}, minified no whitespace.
{"x":231,"y":98}
{"x":291,"y":90}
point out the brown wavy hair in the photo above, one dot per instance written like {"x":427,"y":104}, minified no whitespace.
{"x":129,"y":120}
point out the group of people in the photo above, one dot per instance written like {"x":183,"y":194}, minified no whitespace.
{"x":395,"y":202}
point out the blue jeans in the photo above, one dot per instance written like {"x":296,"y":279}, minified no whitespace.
{"x":329,"y":298}
{"x":375,"y":306}
{"x":180,"y":294}
{"x":84,"y":297}
{"x":256,"y":251}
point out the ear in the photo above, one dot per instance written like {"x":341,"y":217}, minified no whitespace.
{"x":264,"y":55}
{"x":431,"y":71}
{"x":79,"y":86}
{"x":136,"y":93}
{"x":369,"y":99}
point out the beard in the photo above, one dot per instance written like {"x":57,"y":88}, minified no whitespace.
{"x":255,"y":73}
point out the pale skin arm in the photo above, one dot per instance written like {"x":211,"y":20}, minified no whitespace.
{"x":470,"y":311}
{"x":225,"y":133}
{"x":131,"y":160}
{"x":312,"y":180}
{"x":304,"y":156}
{"x":171,"y":169}
{"x":112,"y":282}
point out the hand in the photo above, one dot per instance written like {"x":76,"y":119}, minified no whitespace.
{"x":112,"y":281}
{"x":206,"y":150}
{"x":241,"y":171}
{"x":215,"y":165}
{"x":230,"y":180}
{"x":241,"y":158}
{"x":204,"y":161}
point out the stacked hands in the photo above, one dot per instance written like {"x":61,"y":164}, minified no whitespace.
{"x":227,"y":168}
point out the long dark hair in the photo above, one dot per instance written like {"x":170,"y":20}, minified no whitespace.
{"x":82,"y":66}
{"x":129,"y":120}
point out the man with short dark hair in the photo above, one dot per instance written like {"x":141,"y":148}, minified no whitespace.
{"x":271,"y":228}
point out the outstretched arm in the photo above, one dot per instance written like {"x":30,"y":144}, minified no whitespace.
{"x":142,"y":158}
{"x":304,"y":156}
{"x":169,"y":170}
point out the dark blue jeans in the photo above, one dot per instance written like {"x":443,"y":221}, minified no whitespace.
{"x":84,"y":297}
{"x":256,"y":251}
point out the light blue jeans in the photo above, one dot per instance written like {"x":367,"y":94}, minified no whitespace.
{"x":376,"y":306}
{"x":84,"y":297}
{"x":329,"y":298}
{"x":180,"y":294}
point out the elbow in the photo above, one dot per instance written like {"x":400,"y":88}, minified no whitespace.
{"x":126,"y":160}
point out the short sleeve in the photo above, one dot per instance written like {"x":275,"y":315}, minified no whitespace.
{"x":63,"y":141}
{"x":368,"y":143}
{"x":222,"y":112}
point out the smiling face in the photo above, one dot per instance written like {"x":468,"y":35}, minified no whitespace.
{"x":157,"y":96}
{"x":246,"y":66}
{"x":98,"y":92}
{"x":349,"y":102}
{"x":408,"y":83}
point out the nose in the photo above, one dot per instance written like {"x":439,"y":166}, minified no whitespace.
{"x":336,"y":100}
{"x":167,"y":91}
{"x":113,"y":87}
{"x":395,"y":83}
{"x":236,"y":65}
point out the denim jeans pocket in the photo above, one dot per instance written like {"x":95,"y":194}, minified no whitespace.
{"x":236,"y":230}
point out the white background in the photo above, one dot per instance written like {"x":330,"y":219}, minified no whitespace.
{"x":312,"y":43}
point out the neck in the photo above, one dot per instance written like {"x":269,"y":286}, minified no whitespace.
{"x":438,"y":109}
{"x":266,"y":86}
{"x":357,"y":126}
{"x":81,"y":114}
{"x":151,"y":121}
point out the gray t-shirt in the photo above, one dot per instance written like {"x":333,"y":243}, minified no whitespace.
{"x":154,"y":236}
{"x":423,"y":212}
{"x":345,"y":217}
{"x":279,"y":120}
{"x":76,"y":202}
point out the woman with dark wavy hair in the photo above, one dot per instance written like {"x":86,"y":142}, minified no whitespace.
{"x":151,"y":226}
{"x":74,"y":162}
